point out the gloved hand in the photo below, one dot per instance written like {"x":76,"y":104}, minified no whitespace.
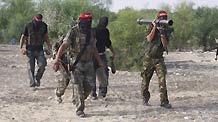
{"x":55,"y":65}
{"x":22,"y":51}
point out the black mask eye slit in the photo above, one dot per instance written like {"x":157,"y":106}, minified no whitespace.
{"x":163,"y":18}
{"x":85,"y":24}
{"x":85,"y":21}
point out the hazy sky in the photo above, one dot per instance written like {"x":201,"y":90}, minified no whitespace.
{"x":138,"y":4}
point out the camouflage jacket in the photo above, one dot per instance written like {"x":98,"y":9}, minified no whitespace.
{"x":77,"y":41}
{"x":155,"y":48}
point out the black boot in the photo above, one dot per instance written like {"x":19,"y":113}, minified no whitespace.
{"x":102,"y":91}
{"x":33,"y":84}
{"x":80,"y":113}
{"x":37,"y":83}
{"x":166,"y":105}
{"x":93,"y":93}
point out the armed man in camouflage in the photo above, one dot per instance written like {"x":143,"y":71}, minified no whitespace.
{"x":81,"y":40}
{"x":63,"y":73}
{"x":34,"y":36}
{"x":156,"y":43}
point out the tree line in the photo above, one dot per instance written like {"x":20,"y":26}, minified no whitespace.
{"x":194,"y":28}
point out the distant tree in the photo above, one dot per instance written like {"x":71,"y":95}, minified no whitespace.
{"x":14,"y":15}
{"x":60,"y":15}
{"x":128,"y":37}
{"x":183,"y":18}
{"x":206,"y":26}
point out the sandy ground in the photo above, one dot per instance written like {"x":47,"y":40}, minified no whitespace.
{"x":192,"y":88}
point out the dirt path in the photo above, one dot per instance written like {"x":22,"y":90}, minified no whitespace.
{"x":192,"y":86}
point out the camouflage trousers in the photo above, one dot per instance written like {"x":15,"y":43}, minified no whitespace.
{"x":149,"y":66}
{"x":102,"y":75}
{"x":63,"y":79}
{"x":84,"y":77}
{"x":34,"y":56}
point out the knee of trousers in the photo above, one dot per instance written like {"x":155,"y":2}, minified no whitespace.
{"x":42,"y":65}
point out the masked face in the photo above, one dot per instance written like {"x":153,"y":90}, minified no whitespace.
{"x":85,"y":25}
{"x":162,"y":18}
{"x":36,"y":24}
{"x":103,"y":21}
{"x":37,"y":20}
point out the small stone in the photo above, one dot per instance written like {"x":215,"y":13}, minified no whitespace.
{"x":50,"y":98}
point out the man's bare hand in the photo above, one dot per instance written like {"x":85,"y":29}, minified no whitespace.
{"x":22,"y":51}
{"x":55,"y":65}
{"x":154,"y":23}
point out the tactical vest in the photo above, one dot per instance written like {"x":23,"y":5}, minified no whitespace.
{"x":35,"y":38}
{"x":79,"y":40}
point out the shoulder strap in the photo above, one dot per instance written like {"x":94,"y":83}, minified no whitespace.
{"x":82,"y":51}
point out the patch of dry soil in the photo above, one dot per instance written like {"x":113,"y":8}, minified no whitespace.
{"x":191,"y":80}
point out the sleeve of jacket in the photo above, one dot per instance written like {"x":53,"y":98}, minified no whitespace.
{"x":107,"y":39}
{"x":25,"y":31}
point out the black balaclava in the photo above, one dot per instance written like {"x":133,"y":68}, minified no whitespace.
{"x":103,"y":21}
{"x":85,"y":22}
{"x":37,"y":19}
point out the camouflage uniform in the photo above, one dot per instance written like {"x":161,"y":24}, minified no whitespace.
{"x":84,"y":74}
{"x":34,"y":50}
{"x":154,"y":61}
{"x":63,"y":74}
